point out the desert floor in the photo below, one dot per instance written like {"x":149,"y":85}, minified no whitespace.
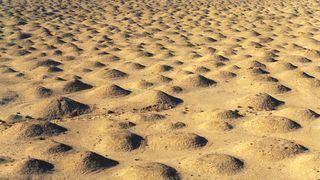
{"x":160,"y":89}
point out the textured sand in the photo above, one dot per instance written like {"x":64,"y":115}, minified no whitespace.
{"x":160,"y":89}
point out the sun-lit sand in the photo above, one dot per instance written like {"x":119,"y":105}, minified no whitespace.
{"x":160,"y":89}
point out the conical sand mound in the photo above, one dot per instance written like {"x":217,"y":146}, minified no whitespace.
{"x":149,"y":171}
{"x":301,"y":114}
{"x":5,"y":159}
{"x":34,"y":129}
{"x":57,"y":148}
{"x":217,"y":126}
{"x":271,"y":149}
{"x":271,"y":124}
{"x":110,"y":91}
{"x":62,"y":107}
{"x":131,"y":66}
{"x":151,"y":117}
{"x":176,"y":141}
{"x":161,"y":68}
{"x":49,"y":148}
{"x":143,"y":84}
{"x":43,"y":92}
{"x":202,"y":69}
{"x":75,"y":85}
{"x":48,"y":63}
{"x":120,"y":141}
{"x":286,"y":66}
{"x":115,"y":74}
{"x":214,"y":164}
{"x":274,"y":88}
{"x":87,"y":162}
{"x":224,"y":75}
{"x":193,"y":81}
{"x":218,"y":114}
{"x":158,"y":101}
{"x":261,"y":102}
{"x":34,"y":166}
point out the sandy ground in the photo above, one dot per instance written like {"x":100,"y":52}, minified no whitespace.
{"x":160,"y":89}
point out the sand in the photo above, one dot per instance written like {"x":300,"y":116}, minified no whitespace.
{"x":159,"y":89}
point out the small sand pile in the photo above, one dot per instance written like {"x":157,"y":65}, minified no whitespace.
{"x":58,"y":148}
{"x":8,"y":98}
{"x":132,"y":66}
{"x":34,"y":166}
{"x":160,"y":68}
{"x":75,"y":85}
{"x":110,"y":91}
{"x":34,"y":129}
{"x":194,"y":81}
{"x":120,"y":141}
{"x":62,"y":107}
{"x":176,"y":141}
{"x":153,"y":117}
{"x":224,"y":75}
{"x":87,"y":162}
{"x":300,"y":114}
{"x":217,"y":126}
{"x":271,"y":149}
{"x":143,"y":84}
{"x":261,"y":102}
{"x":149,"y":171}
{"x":217,"y":114}
{"x":49,"y":148}
{"x":214,"y":164}
{"x":16,"y":118}
{"x":43,"y":92}
{"x":274,"y":88}
{"x":48,"y":63}
{"x":158,"y":101}
{"x":115,"y":74}
{"x":271,"y":124}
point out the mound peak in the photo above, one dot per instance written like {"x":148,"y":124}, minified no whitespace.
{"x":149,"y":170}
{"x":112,"y":91}
{"x":75,"y":85}
{"x":36,"y":129}
{"x":272,"y":149}
{"x":58,"y":148}
{"x":120,"y":141}
{"x":271,"y":124}
{"x":88,"y":162}
{"x":301,"y":114}
{"x":218,"y":126}
{"x":115,"y":74}
{"x":217,"y":164}
{"x":195,"y":80}
{"x":262,"y":102}
{"x":63,"y":107}
{"x":218,"y":114}
{"x":48,"y":63}
{"x":158,"y":101}
{"x":152,"y":117}
{"x":176,"y":141}
{"x":35,"y":166}
{"x":43,"y":92}
{"x":161,"y":68}
{"x":133,"y":66}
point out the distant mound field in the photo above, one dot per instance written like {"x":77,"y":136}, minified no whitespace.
{"x":160,"y":89}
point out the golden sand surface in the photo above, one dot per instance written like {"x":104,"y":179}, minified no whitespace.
{"x":160,"y":89}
